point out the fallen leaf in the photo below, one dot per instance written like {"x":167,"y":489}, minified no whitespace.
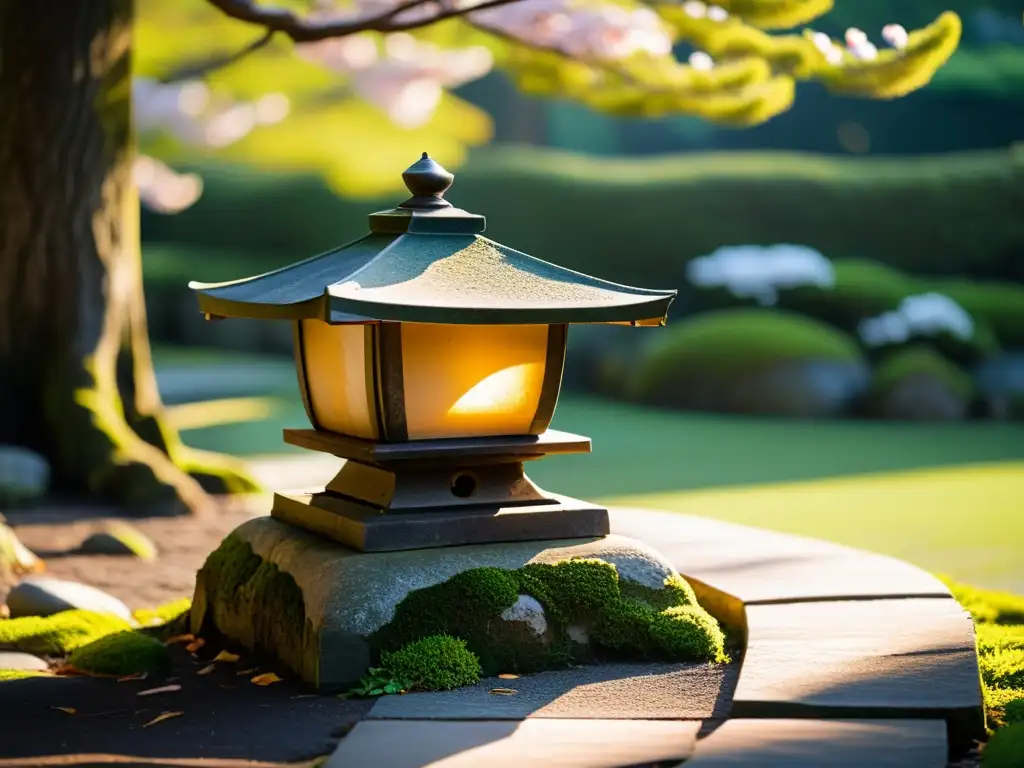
{"x":161,"y":717}
{"x":133,"y":676}
{"x":180,"y":639}
{"x":226,"y":656}
{"x":508,"y":677}
{"x":207,"y":669}
{"x":195,"y":645}
{"x":304,"y":696}
{"x":246,"y":671}
{"x":504,"y":691}
{"x":66,"y":710}
{"x":161,"y":689}
{"x":266,"y":678}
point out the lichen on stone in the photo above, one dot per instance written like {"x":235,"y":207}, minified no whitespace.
{"x":122,"y":653}
{"x":589,"y":614}
{"x":251,"y":600}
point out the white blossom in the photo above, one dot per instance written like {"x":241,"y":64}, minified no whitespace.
{"x":833,"y":53}
{"x":162,"y":189}
{"x":859,"y":46}
{"x":758,"y":272}
{"x":895,"y":35}
{"x":701,"y":61}
{"x":926,"y":314}
{"x":695,"y":9}
{"x":717,"y":13}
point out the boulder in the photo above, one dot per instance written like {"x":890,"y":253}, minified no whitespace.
{"x":44,"y":596}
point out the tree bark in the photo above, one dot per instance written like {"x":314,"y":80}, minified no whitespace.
{"x":76,"y":377}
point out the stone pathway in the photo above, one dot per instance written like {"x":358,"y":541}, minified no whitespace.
{"x":851,"y":659}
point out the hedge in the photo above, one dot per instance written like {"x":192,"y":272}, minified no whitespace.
{"x":639,"y":220}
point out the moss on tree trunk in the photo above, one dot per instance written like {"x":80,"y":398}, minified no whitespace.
{"x":77,"y":378}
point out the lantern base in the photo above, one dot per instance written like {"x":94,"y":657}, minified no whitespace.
{"x":370,"y":529}
{"x":437,"y":493}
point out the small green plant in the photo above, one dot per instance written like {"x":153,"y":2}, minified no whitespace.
{"x":377,"y":681}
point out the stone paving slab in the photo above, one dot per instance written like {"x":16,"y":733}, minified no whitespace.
{"x":912,"y":658}
{"x":821,"y":743}
{"x":757,"y":566}
{"x":505,"y":744}
{"x":607,"y":691}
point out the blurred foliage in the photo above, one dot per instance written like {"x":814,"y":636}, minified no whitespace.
{"x":357,"y":148}
{"x":953,"y":215}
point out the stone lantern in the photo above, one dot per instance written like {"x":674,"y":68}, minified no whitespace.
{"x":430,"y":359}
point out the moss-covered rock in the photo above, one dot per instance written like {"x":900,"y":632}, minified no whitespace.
{"x":163,"y":614}
{"x":1005,"y":749}
{"x":60,"y":633}
{"x":588,"y":614}
{"x":252,"y":601}
{"x":756,"y":361}
{"x":120,"y":539}
{"x":122,"y":653}
{"x":7,"y":675}
{"x":434,"y":663}
{"x":919,"y":384}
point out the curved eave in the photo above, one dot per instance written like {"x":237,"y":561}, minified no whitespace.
{"x":644,"y":311}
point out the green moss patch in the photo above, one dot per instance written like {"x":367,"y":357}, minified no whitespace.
{"x":19,"y":674}
{"x":435,"y":663}
{"x":163,"y":614}
{"x":122,"y":653}
{"x":586,"y":595}
{"x":1005,"y":749}
{"x":59,"y":634}
{"x":251,"y":600}
{"x":999,"y":626}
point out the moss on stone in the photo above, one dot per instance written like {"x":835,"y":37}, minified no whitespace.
{"x":163,"y":614}
{"x":123,"y":653}
{"x":435,"y":663}
{"x":1005,"y":748}
{"x":620,"y":617}
{"x":251,"y":600}
{"x":60,"y":633}
{"x":19,"y":674}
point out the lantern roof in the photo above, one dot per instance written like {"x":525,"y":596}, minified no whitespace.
{"x":427,"y":262}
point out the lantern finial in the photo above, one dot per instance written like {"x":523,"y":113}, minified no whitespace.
{"x":427,"y":181}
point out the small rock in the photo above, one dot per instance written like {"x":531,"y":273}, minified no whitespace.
{"x":42,"y":596}
{"x":120,"y":540}
{"x":24,"y":474}
{"x":25,"y":662}
{"x":527,"y":610}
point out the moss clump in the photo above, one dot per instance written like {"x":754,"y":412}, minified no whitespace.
{"x":620,"y":618}
{"x":122,"y":653}
{"x":435,"y":663}
{"x":251,"y":599}
{"x":1005,"y":749}
{"x":60,"y":633}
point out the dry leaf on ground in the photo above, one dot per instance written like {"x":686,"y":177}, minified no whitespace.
{"x":195,"y":645}
{"x":133,"y":676}
{"x":161,"y":689}
{"x":66,"y":710}
{"x":246,"y":671}
{"x":226,"y":656}
{"x":508,"y":676}
{"x":504,"y":691}
{"x":207,"y":669}
{"x":266,"y":679}
{"x":161,"y":717}
{"x":180,"y":639}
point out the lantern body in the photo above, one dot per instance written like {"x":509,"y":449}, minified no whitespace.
{"x":423,"y":381}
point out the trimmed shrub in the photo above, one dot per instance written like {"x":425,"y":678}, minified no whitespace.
{"x":752,"y":361}
{"x":918,"y":383}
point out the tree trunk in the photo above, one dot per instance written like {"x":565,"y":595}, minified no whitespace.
{"x":76,"y":377}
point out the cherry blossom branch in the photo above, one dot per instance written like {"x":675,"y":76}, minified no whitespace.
{"x":198,"y":70}
{"x":305,"y":30}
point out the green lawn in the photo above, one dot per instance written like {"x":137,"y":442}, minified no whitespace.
{"x":641,"y":451}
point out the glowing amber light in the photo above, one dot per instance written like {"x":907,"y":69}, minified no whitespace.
{"x":456,"y":380}
{"x":472,"y":380}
